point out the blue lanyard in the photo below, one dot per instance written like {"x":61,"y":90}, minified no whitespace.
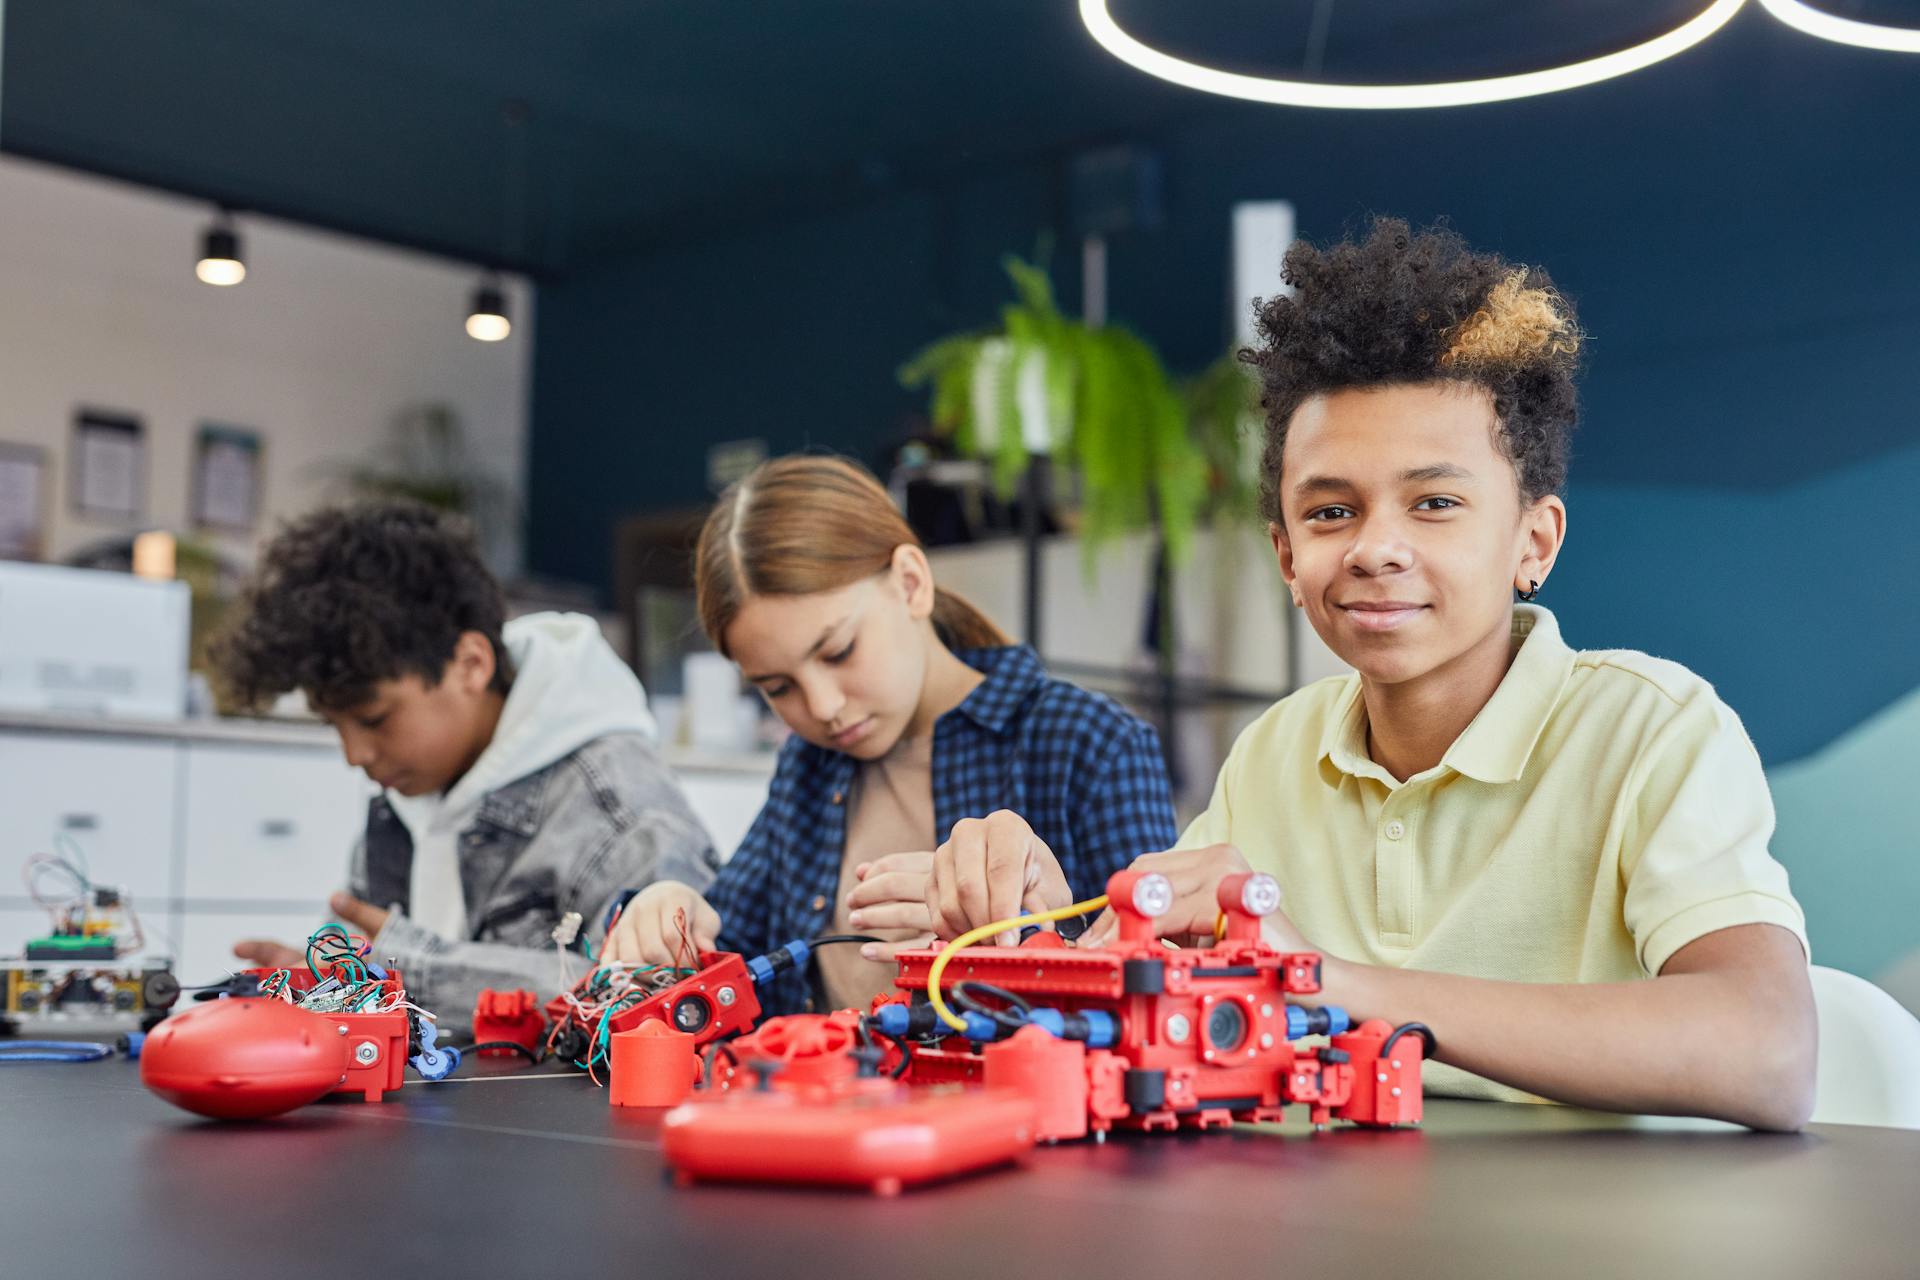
{"x":53,"y":1051}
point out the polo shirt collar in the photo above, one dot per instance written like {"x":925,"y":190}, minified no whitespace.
{"x":1013,"y":675}
{"x":1499,"y":742}
{"x":1496,"y":746}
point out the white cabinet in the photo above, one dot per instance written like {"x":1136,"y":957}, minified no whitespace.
{"x":114,"y":797}
{"x":726,"y":803}
{"x":217,"y":832}
{"x":207,"y":936}
{"x":265,"y":836}
{"x":268,"y":824}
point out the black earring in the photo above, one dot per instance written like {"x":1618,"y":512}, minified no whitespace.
{"x":1533,"y":590}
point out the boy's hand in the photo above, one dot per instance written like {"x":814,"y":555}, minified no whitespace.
{"x":1195,"y":875}
{"x":363,"y":918}
{"x":646,"y":932}
{"x":992,"y":868}
{"x":892,"y":895}
{"x":260,"y":953}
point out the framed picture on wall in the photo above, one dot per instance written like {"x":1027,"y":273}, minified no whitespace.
{"x":23,"y":507}
{"x":226,"y":478}
{"x":109,"y":466}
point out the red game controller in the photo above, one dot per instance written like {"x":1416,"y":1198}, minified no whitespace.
{"x":244,"y":1059}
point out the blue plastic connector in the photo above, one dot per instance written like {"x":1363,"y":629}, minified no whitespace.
{"x":779,"y":960}
{"x":431,"y":1062}
{"x":1098,"y":1028}
{"x":918,"y":1021}
{"x":1327,"y":1020}
{"x":890,"y":1018}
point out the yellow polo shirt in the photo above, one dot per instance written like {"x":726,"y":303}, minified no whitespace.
{"x":1603,"y":810}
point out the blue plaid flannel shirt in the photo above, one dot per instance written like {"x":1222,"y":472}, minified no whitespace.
{"x":1086,"y":773}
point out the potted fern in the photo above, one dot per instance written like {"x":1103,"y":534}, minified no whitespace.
{"x":1097,"y":400}
{"x":1149,"y":452}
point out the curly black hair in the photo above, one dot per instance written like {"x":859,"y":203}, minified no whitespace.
{"x":347,"y":597}
{"x":1399,"y":308}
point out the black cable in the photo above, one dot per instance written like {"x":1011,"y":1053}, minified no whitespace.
{"x":906,"y":1057}
{"x":533,"y":1056}
{"x":1428,"y":1043}
{"x":842,"y":937}
{"x":905,"y":1046}
{"x":963,"y":995}
{"x":714,"y":1051}
{"x":967,"y":986}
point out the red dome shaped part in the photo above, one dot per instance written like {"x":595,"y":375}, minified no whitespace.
{"x":244,"y":1059}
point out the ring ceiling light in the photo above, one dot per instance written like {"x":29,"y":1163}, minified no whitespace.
{"x":1454,"y":93}
{"x":1802,"y":16}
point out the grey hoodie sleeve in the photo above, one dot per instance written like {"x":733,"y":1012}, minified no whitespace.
{"x":586,"y":855}
{"x":446,"y":978}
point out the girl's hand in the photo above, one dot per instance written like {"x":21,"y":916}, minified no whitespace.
{"x":647,"y":931}
{"x":892,"y":895}
{"x":992,"y":868}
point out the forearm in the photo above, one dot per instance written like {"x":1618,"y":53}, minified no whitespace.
{"x":1722,"y":1044}
{"x":446,"y":978}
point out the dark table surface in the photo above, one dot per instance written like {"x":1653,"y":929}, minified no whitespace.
{"x":509,"y":1171}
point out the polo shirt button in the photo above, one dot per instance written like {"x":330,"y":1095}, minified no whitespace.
{"x":820,"y":902}
{"x":1396,"y":829}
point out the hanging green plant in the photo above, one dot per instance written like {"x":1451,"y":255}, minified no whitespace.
{"x":1224,"y":421}
{"x":1096,"y":399}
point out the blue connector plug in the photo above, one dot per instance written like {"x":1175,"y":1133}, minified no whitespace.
{"x":779,"y":960}
{"x":1098,"y":1028}
{"x":1328,"y":1020}
{"x":918,"y":1021}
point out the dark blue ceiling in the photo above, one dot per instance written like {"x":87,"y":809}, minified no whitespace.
{"x":651,"y":121}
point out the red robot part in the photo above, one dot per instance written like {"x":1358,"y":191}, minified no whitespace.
{"x":805,"y":1105}
{"x":378,"y":1043}
{"x":244,"y":1059}
{"x":510,"y":1017}
{"x":1196,"y":1037}
{"x":802,"y":1051}
{"x":862,"y":1132}
{"x":651,"y":1066}
{"x":717,"y":1001}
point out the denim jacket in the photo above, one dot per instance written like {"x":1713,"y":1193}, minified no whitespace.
{"x":569,"y":837}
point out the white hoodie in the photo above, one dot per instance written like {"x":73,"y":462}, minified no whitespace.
{"x":569,"y":687}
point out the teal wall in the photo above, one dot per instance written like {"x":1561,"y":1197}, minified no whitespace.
{"x":1846,"y":839}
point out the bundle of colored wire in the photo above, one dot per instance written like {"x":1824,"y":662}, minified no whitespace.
{"x":339,"y":952}
{"x":610,"y":989}
{"x":68,"y":861}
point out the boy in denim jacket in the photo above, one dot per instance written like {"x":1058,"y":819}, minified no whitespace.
{"x":518,"y":774}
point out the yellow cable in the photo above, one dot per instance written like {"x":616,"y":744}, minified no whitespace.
{"x":972,"y":936}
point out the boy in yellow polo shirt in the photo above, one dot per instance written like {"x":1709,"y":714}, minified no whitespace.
{"x":1483,"y":829}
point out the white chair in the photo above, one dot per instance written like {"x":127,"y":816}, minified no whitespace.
{"x":1869,"y":1054}
{"x":1901,"y":980}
